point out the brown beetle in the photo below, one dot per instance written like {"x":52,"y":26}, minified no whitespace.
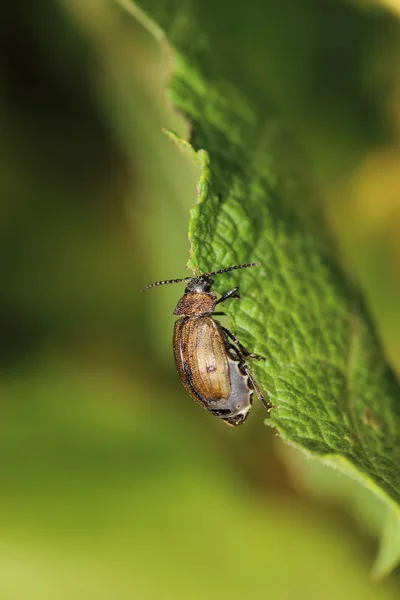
{"x":209,"y":358}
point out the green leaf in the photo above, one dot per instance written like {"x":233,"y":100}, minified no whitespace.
{"x":372,"y":514}
{"x":334,"y":394}
{"x":389,"y":550}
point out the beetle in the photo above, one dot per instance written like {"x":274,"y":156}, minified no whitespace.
{"x":209,"y":358}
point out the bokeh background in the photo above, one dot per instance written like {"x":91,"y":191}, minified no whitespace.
{"x":113,"y":483}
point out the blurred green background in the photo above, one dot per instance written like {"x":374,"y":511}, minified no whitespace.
{"x":113,"y":483}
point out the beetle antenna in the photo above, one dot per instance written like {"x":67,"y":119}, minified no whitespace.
{"x":165,"y":282}
{"x":253,"y":264}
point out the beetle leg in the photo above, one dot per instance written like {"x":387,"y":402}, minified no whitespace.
{"x":239,"y":356}
{"x":242,"y":349}
{"x":257,"y":390}
{"x":231,"y":294}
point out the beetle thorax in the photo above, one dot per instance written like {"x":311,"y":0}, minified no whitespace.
{"x":196,"y":303}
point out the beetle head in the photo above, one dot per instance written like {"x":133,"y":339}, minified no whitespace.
{"x":199,"y":284}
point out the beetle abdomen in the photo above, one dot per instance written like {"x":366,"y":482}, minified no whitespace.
{"x":201,"y":360}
